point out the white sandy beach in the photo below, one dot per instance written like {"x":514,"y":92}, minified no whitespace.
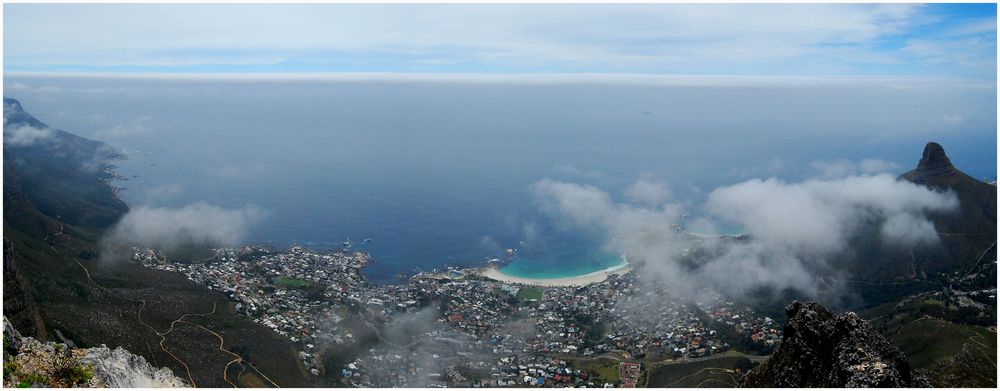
{"x":589,"y":278}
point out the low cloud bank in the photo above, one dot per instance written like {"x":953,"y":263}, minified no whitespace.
{"x":26,"y":135}
{"x":169,"y":229}
{"x":794,"y":228}
{"x":817,"y":216}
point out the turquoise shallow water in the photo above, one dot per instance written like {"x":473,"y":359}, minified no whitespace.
{"x":561,"y":266}
{"x":579,"y":259}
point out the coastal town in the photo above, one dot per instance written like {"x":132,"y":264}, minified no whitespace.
{"x":459,"y":327}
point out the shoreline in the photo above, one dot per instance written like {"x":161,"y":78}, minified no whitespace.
{"x":494,"y":273}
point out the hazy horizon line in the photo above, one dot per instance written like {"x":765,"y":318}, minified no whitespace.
{"x":678,"y":79}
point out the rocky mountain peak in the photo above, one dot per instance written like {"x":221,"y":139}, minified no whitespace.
{"x":11,"y":104}
{"x":12,"y":112}
{"x":933,"y":165}
{"x":934,"y":154}
{"x":820,"y":349}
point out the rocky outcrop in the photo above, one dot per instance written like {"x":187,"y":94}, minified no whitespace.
{"x":12,"y":338}
{"x":822,"y":350}
{"x":120,"y":369}
{"x":29,"y":363}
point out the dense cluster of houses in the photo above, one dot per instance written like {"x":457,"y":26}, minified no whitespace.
{"x":295,"y":293}
{"x":478,"y":332}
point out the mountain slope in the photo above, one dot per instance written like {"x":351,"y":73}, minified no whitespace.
{"x":883,"y":272}
{"x":63,"y":175}
{"x":57,"y":203}
{"x":973,"y":230}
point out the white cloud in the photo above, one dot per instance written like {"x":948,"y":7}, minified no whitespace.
{"x":794,"y":229}
{"x":840,"y":168}
{"x":818,"y":216}
{"x":99,"y":160}
{"x":740,"y":268}
{"x":582,"y":204}
{"x":647,"y":192}
{"x":26,"y":135}
{"x":833,"y":169}
{"x":679,"y":37}
{"x":907,"y":228}
{"x":970,"y":52}
{"x":170,"y":228}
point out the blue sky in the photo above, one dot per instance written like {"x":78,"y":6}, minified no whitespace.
{"x":942,"y":40}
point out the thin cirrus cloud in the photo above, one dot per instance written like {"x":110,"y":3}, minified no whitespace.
{"x":805,"y":39}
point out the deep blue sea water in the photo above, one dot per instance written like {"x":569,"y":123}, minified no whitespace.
{"x":438,"y":174}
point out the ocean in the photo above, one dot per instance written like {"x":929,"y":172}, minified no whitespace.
{"x":437,"y":172}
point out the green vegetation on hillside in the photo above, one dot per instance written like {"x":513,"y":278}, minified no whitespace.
{"x":927,"y":341}
{"x":972,"y":367}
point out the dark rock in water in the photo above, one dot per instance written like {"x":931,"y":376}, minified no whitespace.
{"x":823,"y":350}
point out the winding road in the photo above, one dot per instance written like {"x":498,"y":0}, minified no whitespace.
{"x":238,"y":359}
{"x":163,"y":335}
